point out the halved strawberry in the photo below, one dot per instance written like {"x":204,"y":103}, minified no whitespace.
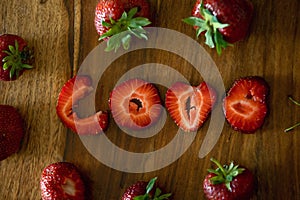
{"x":190,"y":106}
{"x":135,"y":104}
{"x":75,"y":89}
{"x":62,"y":180}
{"x":245,"y":106}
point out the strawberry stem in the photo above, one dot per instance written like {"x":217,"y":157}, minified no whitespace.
{"x":16,"y":61}
{"x":157,"y":194}
{"x":210,"y":25}
{"x":298,"y":124}
{"x":121,"y":30}
{"x":224,"y":174}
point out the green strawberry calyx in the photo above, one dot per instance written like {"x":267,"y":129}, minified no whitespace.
{"x":210,"y":26}
{"x":298,"y":124}
{"x":16,"y":60}
{"x":157,"y":194}
{"x":120,"y":31}
{"x":224,"y":174}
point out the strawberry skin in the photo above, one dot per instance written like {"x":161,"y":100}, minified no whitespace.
{"x":137,"y":189}
{"x":142,"y":5}
{"x":74,"y":90}
{"x":106,"y":10}
{"x":17,"y":60}
{"x":135,"y":104}
{"x":11,"y":131}
{"x":245,"y":105}
{"x":62,"y":180}
{"x":190,"y":106}
{"x":236,"y":13}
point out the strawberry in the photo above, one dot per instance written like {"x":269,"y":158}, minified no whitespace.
{"x":62,"y":180}
{"x":228,"y":182}
{"x":245,"y":105}
{"x":135,"y":104}
{"x":11,"y":131}
{"x":117,"y":20}
{"x":74,"y":90}
{"x":15,"y":57}
{"x":142,"y":190}
{"x":223,"y":22}
{"x":190,"y":106}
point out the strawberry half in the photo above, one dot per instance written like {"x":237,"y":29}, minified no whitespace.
{"x":118,"y":20}
{"x":62,"y":180}
{"x":11,"y":131}
{"x":245,"y":105}
{"x":135,"y":104}
{"x":15,"y":57}
{"x":74,"y":90}
{"x":142,"y":190}
{"x":190,"y":106}
{"x":228,"y":182}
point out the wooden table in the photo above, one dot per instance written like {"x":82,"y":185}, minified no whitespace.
{"x":62,"y":34}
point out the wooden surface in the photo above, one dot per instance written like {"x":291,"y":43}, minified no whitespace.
{"x":63,"y":34}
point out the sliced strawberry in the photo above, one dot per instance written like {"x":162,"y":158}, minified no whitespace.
{"x":135,"y":104}
{"x":62,"y":180}
{"x":190,"y":106}
{"x":75,"y":89}
{"x":245,"y":105}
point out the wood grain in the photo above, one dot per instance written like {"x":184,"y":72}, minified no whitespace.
{"x":63,"y":34}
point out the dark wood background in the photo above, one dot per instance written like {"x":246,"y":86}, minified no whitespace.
{"x":62,"y":34}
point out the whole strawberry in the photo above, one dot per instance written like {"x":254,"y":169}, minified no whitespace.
{"x":11,"y":131}
{"x":15,"y":57}
{"x":223,"y":22}
{"x":117,"y":20}
{"x":142,"y":190}
{"x":228,"y":182}
{"x":61,"y":181}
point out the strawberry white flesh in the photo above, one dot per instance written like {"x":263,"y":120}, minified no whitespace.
{"x":190,"y":106}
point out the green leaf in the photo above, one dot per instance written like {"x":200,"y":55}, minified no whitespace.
{"x":5,"y":66}
{"x":123,"y":17}
{"x":104,"y":23}
{"x":12,"y":49}
{"x":150,"y":185}
{"x":199,"y":31}
{"x":126,"y":41}
{"x":139,"y":21}
{"x":132,"y":12}
{"x":157,"y":192}
{"x":165,"y":196}
{"x":209,"y":39}
{"x":26,"y":66}
{"x":194,"y":21}
{"x":12,"y":72}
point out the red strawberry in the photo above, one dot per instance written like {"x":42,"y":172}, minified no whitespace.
{"x":190,"y":106}
{"x":142,"y":190}
{"x":223,"y":22}
{"x":15,"y":57}
{"x":135,"y":104}
{"x":113,"y":17}
{"x":245,"y":105}
{"x":62,"y":180}
{"x":74,"y":90}
{"x":228,"y":183}
{"x":11,"y":131}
